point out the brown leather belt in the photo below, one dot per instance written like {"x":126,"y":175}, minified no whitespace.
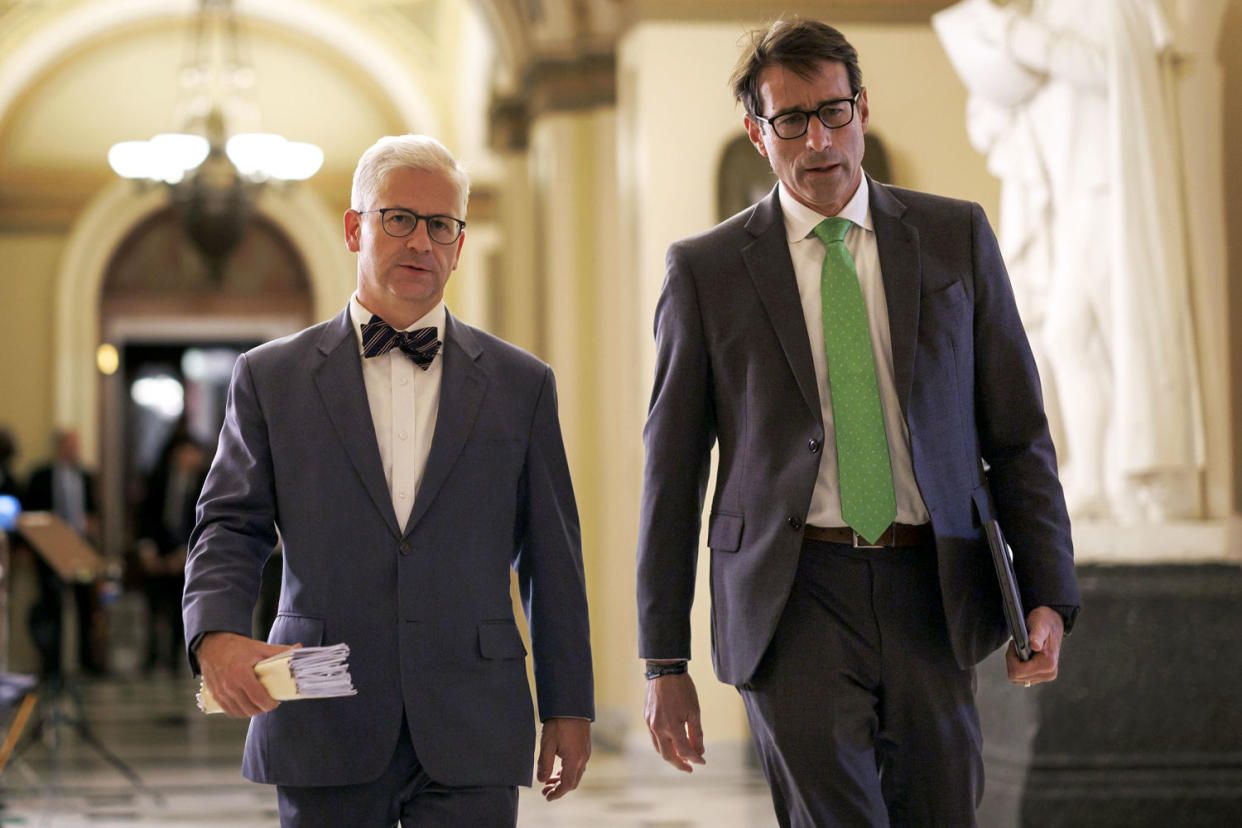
{"x":898,"y":534}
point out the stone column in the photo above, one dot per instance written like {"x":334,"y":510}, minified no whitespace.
{"x":570,"y":301}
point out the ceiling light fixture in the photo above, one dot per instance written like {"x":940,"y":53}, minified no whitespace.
{"x":214,"y":175}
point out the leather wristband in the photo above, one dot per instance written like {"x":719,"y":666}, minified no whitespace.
{"x":672,"y":668}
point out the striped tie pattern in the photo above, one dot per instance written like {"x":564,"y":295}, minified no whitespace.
{"x":420,"y":345}
{"x":868,"y":503}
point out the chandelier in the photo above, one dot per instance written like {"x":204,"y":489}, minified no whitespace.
{"x":213,"y":175}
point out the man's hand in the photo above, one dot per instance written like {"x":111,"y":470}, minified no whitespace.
{"x":227,"y":661}
{"x":1045,"y":628}
{"x":569,"y":739}
{"x":672,"y":715}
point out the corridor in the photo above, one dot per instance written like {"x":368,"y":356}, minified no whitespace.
{"x":189,"y":765}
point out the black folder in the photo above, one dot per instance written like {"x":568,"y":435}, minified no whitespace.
{"x":1002,"y":559}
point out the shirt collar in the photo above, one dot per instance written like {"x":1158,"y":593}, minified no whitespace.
{"x":800,"y":220}
{"x":433,"y":318}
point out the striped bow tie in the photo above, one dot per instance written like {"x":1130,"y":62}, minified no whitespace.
{"x":421,"y":345}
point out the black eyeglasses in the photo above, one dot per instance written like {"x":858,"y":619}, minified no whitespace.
{"x":399,"y":222}
{"x":832,"y":114}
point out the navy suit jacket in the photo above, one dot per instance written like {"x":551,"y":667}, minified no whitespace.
{"x":734,"y":367}
{"x":427,"y":612}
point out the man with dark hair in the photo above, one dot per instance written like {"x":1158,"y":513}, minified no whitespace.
{"x":855,"y":352}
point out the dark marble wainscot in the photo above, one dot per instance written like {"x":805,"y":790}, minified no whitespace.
{"x":1144,"y":725}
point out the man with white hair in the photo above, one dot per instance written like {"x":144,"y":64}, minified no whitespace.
{"x":408,"y":460}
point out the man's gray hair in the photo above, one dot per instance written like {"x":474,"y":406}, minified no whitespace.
{"x":415,"y":152}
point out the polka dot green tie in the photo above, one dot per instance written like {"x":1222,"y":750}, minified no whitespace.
{"x":866,"y":476}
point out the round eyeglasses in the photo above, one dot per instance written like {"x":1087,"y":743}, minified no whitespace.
{"x":399,"y":222}
{"x":832,"y":114}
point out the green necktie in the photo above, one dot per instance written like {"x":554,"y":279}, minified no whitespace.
{"x":866,"y":476}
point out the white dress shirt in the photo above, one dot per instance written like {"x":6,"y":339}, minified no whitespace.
{"x":404,"y":400}
{"x":807,"y":252}
{"x":69,"y":495}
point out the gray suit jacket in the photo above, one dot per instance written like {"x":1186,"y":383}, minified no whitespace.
{"x":734,"y":367}
{"x":427,"y":613}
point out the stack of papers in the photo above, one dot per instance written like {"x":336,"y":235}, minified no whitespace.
{"x":304,"y":673}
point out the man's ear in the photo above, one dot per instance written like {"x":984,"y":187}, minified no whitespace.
{"x":461,"y":240}
{"x":754,"y":131}
{"x":353,"y":230}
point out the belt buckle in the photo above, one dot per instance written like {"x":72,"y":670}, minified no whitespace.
{"x":858,"y":545}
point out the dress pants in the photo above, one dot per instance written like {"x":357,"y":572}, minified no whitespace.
{"x":403,"y":793}
{"x":860,"y":715}
{"x":164,"y":601}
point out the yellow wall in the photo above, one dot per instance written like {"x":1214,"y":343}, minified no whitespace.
{"x":27,"y":279}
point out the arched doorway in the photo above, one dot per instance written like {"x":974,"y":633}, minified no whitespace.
{"x":173,"y":327}
{"x":292,"y":223}
{"x":176,"y":328}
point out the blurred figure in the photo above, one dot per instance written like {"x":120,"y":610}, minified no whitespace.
{"x":62,"y":486}
{"x":9,"y":484}
{"x":164,"y":524}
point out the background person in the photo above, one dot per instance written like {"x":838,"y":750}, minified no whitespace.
{"x":165,"y":520}
{"x":66,"y":488}
{"x":9,"y":482}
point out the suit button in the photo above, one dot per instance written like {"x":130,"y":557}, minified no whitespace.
{"x":795,"y":522}
{"x":404,"y":548}
{"x":813,"y":445}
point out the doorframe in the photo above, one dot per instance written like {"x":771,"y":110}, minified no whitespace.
{"x":80,"y":391}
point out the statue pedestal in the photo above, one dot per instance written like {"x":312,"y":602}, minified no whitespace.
{"x":1144,"y":725}
{"x":1182,"y":542}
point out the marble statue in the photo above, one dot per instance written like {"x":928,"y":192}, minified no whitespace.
{"x":1073,"y":104}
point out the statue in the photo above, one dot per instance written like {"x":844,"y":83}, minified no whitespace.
{"x":1072,"y":103}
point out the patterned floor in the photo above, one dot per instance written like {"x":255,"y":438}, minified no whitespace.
{"x":189,"y":771}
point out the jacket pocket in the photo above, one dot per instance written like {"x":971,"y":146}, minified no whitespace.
{"x":724,"y":531}
{"x":953,"y":294}
{"x":500,"y":639}
{"x":296,"y":629}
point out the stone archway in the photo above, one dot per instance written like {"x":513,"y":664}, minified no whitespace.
{"x":104,"y":223}
{"x":173,"y":319}
{"x":78,"y":398}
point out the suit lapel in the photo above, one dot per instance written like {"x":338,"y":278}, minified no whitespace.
{"x":338,"y":379}
{"x":898,"y":244}
{"x":462,"y":384}
{"x":771,"y":269}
